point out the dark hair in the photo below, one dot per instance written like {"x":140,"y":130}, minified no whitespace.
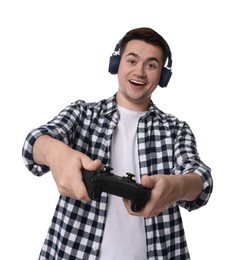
{"x":148,"y":35}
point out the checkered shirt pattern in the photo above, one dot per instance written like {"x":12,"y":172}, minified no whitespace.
{"x":165,"y":145}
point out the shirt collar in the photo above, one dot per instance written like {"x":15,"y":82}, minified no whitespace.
{"x":155,"y":111}
{"x":111,"y":107}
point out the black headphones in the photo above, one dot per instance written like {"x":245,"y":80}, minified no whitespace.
{"x":166,"y":73}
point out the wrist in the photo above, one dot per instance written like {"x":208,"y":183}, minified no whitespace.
{"x":192,"y":186}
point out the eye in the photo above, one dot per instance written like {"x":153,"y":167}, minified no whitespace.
{"x":151,"y":66}
{"x":131,"y":61}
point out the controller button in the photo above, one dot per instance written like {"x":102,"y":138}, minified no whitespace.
{"x":130,"y":175}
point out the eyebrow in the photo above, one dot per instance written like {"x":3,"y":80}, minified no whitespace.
{"x":136,"y":56}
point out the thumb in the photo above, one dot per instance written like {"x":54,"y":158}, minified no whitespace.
{"x":147,"y":181}
{"x":92,"y":165}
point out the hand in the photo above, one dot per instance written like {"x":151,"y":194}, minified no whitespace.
{"x":161,"y":197}
{"x":166,"y":190}
{"x":68,"y":176}
{"x":65,"y":164}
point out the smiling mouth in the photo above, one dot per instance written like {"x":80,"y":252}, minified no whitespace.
{"x":137,"y":83}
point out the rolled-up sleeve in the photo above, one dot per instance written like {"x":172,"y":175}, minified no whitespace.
{"x":60,"y":127}
{"x":187,"y":161}
{"x":27,"y":153}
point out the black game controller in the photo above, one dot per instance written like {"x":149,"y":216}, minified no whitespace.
{"x":104,"y":180}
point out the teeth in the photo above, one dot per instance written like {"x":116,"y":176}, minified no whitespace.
{"x":136,"y":82}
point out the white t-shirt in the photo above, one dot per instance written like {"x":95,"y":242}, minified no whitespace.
{"x":124,"y":235}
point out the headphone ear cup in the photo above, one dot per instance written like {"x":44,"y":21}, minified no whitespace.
{"x":165,"y":77}
{"x":114,"y":62}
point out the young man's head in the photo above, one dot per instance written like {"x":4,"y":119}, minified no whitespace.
{"x":146,"y":35}
{"x":143,"y":53}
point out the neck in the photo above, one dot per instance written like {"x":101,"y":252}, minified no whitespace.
{"x":130,"y":104}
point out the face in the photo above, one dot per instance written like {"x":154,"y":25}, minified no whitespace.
{"x":138,"y":75}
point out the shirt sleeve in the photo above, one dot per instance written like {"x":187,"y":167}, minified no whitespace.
{"x":60,"y":127}
{"x":187,"y":161}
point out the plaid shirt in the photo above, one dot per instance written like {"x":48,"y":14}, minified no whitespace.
{"x":165,"y":144}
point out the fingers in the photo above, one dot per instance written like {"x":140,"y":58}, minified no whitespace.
{"x":146,"y":212}
{"x":69,"y":177}
{"x":148,"y":209}
{"x":154,"y":205}
{"x":78,"y":187}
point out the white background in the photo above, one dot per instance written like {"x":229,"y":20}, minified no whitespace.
{"x":55,"y":52}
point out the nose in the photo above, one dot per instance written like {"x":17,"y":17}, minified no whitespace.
{"x":140,"y":70}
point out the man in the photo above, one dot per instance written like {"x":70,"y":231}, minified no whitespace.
{"x":128,"y":132}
